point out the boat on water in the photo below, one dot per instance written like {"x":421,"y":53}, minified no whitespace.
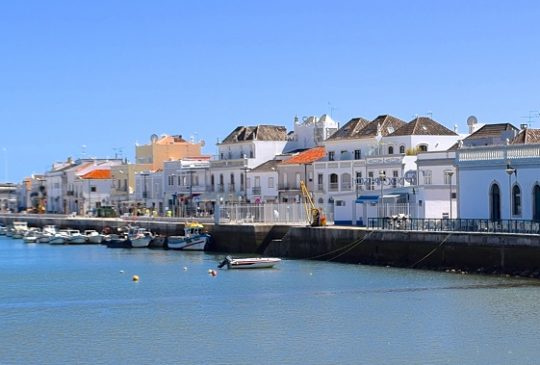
{"x":47,"y":233}
{"x":139,"y":237}
{"x":75,"y":237}
{"x":19,"y":229}
{"x":249,"y":263}
{"x":59,"y":238}
{"x":193,"y":239}
{"x":32,"y":235}
{"x":93,"y":236}
{"x":3,"y":230}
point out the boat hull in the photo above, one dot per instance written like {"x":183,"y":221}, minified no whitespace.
{"x":253,"y":263}
{"x":194,"y":243}
{"x":140,"y":242}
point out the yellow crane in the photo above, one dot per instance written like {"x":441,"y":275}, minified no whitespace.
{"x":314,"y":215}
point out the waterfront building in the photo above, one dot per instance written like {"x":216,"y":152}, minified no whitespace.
{"x":310,"y":132}
{"x":148,"y":192}
{"x":123,"y":185}
{"x":92,"y":189}
{"x":264,"y":188}
{"x":32,"y":194}
{"x":299,"y":167}
{"x":370,"y":168}
{"x":186,"y":182}
{"x":8,"y":197}
{"x":501,"y":181}
{"x":245,"y":148}
{"x":166,"y":148}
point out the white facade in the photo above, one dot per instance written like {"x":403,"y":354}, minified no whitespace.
{"x":499,"y":182}
{"x":311,"y":132}
{"x":185,"y":183}
{"x":263,"y":184}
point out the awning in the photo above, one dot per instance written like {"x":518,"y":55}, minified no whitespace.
{"x":367,"y":198}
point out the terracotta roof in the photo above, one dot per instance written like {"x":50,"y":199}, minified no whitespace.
{"x":257,"y":133}
{"x":267,"y":166}
{"x":386,"y":123}
{"x":307,"y":157}
{"x":98,"y":174}
{"x":492,"y":130}
{"x":423,"y":126}
{"x":349,"y":130}
{"x":526,"y":136}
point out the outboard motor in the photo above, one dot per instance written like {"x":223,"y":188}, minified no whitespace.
{"x":225,"y":261}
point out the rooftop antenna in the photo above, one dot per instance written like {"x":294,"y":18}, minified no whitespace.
{"x":533,"y":114}
{"x":118,"y":152}
{"x":332,"y":109}
{"x":430,"y":114}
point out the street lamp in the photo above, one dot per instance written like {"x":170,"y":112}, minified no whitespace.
{"x":510,"y":170}
{"x":450,"y":173}
{"x":382,"y":178}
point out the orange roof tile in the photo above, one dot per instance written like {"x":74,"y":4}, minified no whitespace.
{"x":98,"y":174}
{"x":306,"y":157}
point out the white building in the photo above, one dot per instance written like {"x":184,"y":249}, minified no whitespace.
{"x":186,"y":182}
{"x":311,"y":132}
{"x":501,"y":181}
{"x":264,"y":182}
{"x":369,"y":163}
{"x":149,"y":191}
{"x":244,"y":149}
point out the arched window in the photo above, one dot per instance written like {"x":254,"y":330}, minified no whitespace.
{"x":516,"y":200}
{"x":333,"y":182}
{"x":422,"y":148}
{"x":402,"y":149}
{"x":495,"y":202}
{"x":391,"y":150}
{"x":536,"y":203}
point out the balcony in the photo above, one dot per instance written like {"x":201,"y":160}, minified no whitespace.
{"x":231,"y":188}
{"x":288,"y":187}
{"x":220,"y":188}
{"x":320,"y":187}
{"x":346,"y":186}
{"x":256,"y":190}
{"x":333,"y":187}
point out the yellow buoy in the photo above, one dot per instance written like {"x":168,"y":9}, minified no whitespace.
{"x":135,"y":278}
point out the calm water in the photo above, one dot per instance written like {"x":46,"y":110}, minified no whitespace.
{"x":72,"y":304}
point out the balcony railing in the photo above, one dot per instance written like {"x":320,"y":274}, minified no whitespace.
{"x":288,"y":187}
{"x":256,"y":190}
{"x":231,"y":187}
{"x":333,"y":186}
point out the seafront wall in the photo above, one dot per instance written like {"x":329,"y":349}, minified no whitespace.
{"x":480,"y":252}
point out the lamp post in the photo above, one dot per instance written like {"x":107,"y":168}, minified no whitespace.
{"x":382,"y":177}
{"x":510,"y":170}
{"x":450,"y":173}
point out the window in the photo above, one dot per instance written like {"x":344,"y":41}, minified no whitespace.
{"x":271,"y":182}
{"x":320,"y":182}
{"x":333,"y":185}
{"x":427,"y":177}
{"x":391,"y":150}
{"x":447,"y":178}
{"x":402,"y":149}
{"x":495,"y":202}
{"x":357,"y":154}
{"x":257,"y":182}
{"x":422,"y":148}
{"x":346,"y":181}
{"x":93,"y":189}
{"x":395,"y":177}
{"x":340,"y":203}
{"x":170,"y":180}
{"x":516,"y":200}
{"x":331,"y":156}
{"x":358,"y":177}
{"x":536,"y":203}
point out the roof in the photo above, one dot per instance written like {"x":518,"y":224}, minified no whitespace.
{"x":307,"y":157}
{"x":386,"y":124}
{"x":423,"y":126}
{"x":526,"y":136}
{"x":98,"y":174}
{"x":491,"y":130}
{"x":257,"y":133}
{"x":350,"y":130}
{"x":267,"y":166}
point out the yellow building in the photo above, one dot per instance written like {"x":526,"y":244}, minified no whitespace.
{"x":166,"y":148}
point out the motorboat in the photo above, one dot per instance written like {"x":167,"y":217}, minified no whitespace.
{"x":32,"y":235}
{"x":249,"y":263}
{"x":139,"y":237}
{"x":19,"y":229}
{"x":3,"y":230}
{"x":47,"y":233}
{"x":75,"y":237}
{"x":59,"y":238}
{"x":159,"y":241}
{"x":193,"y":239}
{"x":93,"y":236}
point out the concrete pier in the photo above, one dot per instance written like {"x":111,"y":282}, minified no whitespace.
{"x":479,"y":252}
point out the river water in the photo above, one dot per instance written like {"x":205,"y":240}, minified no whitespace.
{"x":79,"y":305}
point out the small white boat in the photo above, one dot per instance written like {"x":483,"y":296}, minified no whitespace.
{"x":3,"y":230}
{"x":32,"y":235}
{"x":249,"y":263}
{"x":140,"y":237}
{"x":48,"y":232}
{"x":193,"y":239}
{"x":93,"y":236}
{"x":59,"y":238}
{"x":19,"y":229}
{"x":75,"y":237}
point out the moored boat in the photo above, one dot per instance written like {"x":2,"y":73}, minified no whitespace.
{"x":19,"y":229}
{"x":93,"y":236}
{"x":32,"y":235}
{"x":193,"y":239}
{"x":139,"y":237}
{"x":249,"y":263}
{"x":75,"y":237}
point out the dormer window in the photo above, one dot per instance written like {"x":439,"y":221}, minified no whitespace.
{"x":331,"y":156}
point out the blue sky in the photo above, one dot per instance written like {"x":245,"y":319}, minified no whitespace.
{"x":108,"y":74}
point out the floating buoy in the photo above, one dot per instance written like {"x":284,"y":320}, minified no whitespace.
{"x":185,"y":268}
{"x":121,"y":271}
{"x":135,"y":278}
{"x":213,"y":272}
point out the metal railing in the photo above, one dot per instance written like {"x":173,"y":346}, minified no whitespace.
{"x":269,"y":213}
{"x":456,"y":225}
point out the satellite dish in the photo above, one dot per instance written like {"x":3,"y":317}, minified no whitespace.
{"x":154,"y":138}
{"x":202,"y":142}
{"x":472,"y":120}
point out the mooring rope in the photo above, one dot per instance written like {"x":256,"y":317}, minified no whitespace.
{"x":432,"y":251}
{"x":348,"y":247}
